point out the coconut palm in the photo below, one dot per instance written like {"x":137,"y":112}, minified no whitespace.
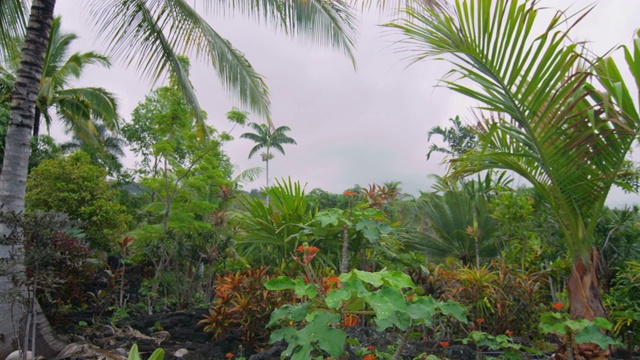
{"x":105,"y":153}
{"x":544,"y":121}
{"x":78,"y":108}
{"x":267,"y":137}
{"x":149,"y":35}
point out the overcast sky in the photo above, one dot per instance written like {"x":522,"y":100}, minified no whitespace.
{"x":352,"y":126}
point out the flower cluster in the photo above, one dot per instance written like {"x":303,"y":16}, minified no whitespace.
{"x":308,"y":253}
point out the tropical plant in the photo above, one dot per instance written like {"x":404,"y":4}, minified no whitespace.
{"x":243,"y":304}
{"x":268,"y":137}
{"x":105,"y":153}
{"x":79,"y":108}
{"x":73,"y":186}
{"x":459,"y":226}
{"x":178,"y":169}
{"x":270,"y":233}
{"x":546,"y":122}
{"x":458,"y":138}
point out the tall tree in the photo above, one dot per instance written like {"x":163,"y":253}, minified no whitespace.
{"x":547,"y":123}
{"x":79,"y":108}
{"x":268,"y":137}
{"x":105,"y":151}
{"x":149,"y":34}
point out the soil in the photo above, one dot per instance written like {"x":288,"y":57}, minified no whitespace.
{"x":179,"y":334}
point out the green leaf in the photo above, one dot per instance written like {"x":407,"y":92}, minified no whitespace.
{"x":602,"y":323}
{"x":289,"y":313}
{"x":374,"y":279}
{"x":286,"y":334}
{"x":158,"y":354}
{"x":133,"y":353}
{"x":397,"y":279}
{"x":335,"y":298}
{"x":452,"y":308}
{"x":593,"y":334}
{"x":280,"y":283}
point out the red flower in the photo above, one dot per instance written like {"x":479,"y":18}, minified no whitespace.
{"x":371,"y":347}
{"x":350,"y":320}
{"x":369,"y":357}
{"x":229,"y":356}
{"x":309,"y":253}
{"x":509,"y":332}
{"x":331,"y":283}
{"x":558,"y":306}
{"x":349,"y":193}
{"x":444,"y":343}
{"x":332,"y":279}
{"x":479,"y":320}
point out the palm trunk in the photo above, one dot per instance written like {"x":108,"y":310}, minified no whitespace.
{"x":14,"y":174}
{"x":586,"y":303}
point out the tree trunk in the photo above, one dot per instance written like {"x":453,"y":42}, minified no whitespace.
{"x":586,"y":303}
{"x":14,"y":175}
{"x":344,"y":262}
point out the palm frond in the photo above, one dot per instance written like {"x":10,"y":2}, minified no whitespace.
{"x":13,"y":25}
{"x":150,"y":34}
{"x":542,"y":120}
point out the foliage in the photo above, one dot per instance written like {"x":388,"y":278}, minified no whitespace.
{"x":268,"y":137}
{"x":181,"y":173}
{"x":328,"y":305}
{"x":500,"y":296}
{"x":81,"y":108}
{"x":459,"y":226}
{"x":57,"y":260}
{"x":42,"y":147}
{"x":242,"y":304}
{"x":623,"y":302}
{"x":181,"y":266}
{"x":271,"y":233}
{"x":105,"y":152}
{"x":580,"y":331}
{"x":158,"y":354}
{"x":618,"y":241}
{"x":458,"y":138}
{"x":74,"y":186}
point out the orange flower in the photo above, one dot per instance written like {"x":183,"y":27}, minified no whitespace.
{"x":229,"y":356}
{"x":509,"y":332}
{"x":349,"y":193}
{"x":331,"y":283}
{"x":371,"y":347}
{"x":479,"y":320}
{"x":309,"y":253}
{"x":369,"y":357}
{"x":444,"y":343}
{"x":332,"y":279}
{"x":350,"y":320}
{"x":557,"y":306}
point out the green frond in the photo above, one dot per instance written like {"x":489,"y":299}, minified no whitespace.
{"x":150,"y":34}
{"x":13,"y":25}
{"x":540,"y":117}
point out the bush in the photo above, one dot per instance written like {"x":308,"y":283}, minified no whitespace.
{"x":244,"y":305}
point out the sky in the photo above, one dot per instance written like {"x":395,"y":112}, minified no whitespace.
{"x":353,"y":126}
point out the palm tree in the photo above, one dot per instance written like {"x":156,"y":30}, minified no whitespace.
{"x":268,"y":137}
{"x":105,"y":153}
{"x":78,"y":108}
{"x":149,"y":34}
{"x":546,"y":122}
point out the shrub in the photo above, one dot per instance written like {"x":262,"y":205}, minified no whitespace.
{"x":243,"y":304}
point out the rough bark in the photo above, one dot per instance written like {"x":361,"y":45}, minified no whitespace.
{"x":586,"y":303}
{"x":14,"y":175}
